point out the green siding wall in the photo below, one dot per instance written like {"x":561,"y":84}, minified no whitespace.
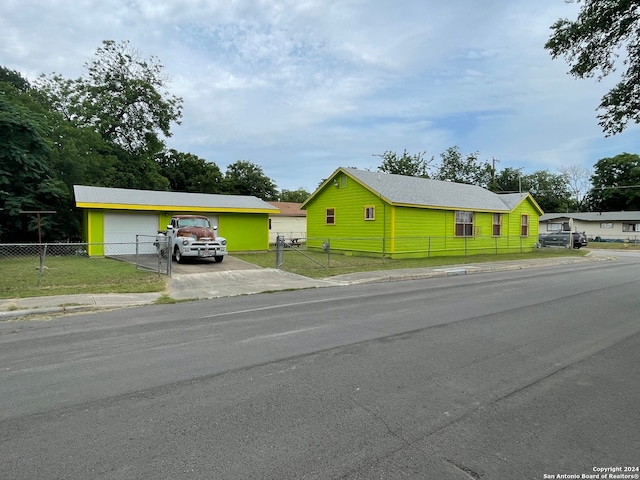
{"x":351,"y":231}
{"x":95,"y":232}
{"x":245,"y":231}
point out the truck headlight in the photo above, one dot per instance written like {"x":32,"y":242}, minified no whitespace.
{"x":185,"y":241}
{"x":223,"y":242}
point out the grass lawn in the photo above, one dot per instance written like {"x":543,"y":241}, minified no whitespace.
{"x":318,"y":265}
{"x":70,"y":275}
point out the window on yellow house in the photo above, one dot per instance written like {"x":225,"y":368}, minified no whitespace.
{"x":464,"y":224}
{"x":524,"y":225}
{"x":497,"y":224}
{"x":331,"y":216}
{"x":369,"y":213}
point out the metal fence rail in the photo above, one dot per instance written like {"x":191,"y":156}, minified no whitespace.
{"x":147,"y":253}
{"x":400,"y":247}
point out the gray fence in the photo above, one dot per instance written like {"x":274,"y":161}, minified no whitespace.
{"x":321,"y":250}
{"x":147,"y":253}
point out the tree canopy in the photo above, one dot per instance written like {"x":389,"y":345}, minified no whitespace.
{"x":247,"y":178}
{"x":413,"y":165}
{"x":592,"y":44}
{"x":189,"y":173}
{"x":616,"y":183}
{"x":456,"y":167}
{"x":26,"y":180}
{"x":297,"y":196}
{"x":122,"y":96}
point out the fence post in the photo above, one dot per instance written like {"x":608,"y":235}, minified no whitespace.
{"x":326,"y":246}
{"x":279,"y":250}
{"x":43,"y":253}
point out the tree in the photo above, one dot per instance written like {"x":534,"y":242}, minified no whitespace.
{"x":508,"y":180}
{"x":188,"y":173}
{"x":616,"y":183}
{"x":14,"y":78}
{"x":412,"y":165}
{"x":296,"y":196}
{"x":577,"y":181}
{"x":549,"y":190}
{"x":26,"y":182}
{"x":122,"y":97}
{"x":246,"y":178}
{"x":457,"y":168}
{"x":592,"y":44}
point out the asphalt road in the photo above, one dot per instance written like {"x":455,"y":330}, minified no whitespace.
{"x":510,"y":375}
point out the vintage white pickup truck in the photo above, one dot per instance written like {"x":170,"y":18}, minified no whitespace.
{"x":192,"y":236}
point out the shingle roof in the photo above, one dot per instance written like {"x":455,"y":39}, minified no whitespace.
{"x":86,"y":195}
{"x":406,"y":190}
{"x":632,"y":216}
{"x":289,"y":209}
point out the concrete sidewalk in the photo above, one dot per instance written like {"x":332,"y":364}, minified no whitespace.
{"x":250,"y":281}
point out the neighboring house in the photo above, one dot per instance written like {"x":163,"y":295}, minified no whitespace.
{"x":117,"y":215}
{"x":290,"y":222}
{"x":605,"y":226}
{"x":364,"y":212}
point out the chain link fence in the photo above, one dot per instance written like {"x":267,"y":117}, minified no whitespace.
{"x":148,"y":253}
{"x":321,"y":251}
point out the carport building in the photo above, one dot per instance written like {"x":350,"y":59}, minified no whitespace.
{"x":113,"y":216}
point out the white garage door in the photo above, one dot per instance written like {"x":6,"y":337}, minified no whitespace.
{"x":213,"y":220}
{"x":120,"y":230}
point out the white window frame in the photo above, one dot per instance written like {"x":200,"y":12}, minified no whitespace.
{"x":330,"y":216}
{"x":524,"y":225}
{"x":464,"y":222}
{"x":369,"y":212}
{"x":498,"y":224}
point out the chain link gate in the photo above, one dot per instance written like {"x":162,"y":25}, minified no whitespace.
{"x":153,"y":253}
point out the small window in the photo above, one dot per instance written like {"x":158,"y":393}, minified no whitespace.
{"x":497,"y":224}
{"x":554,"y":227}
{"x":331,"y":216}
{"x":606,"y":225}
{"x":524,"y":225}
{"x":369,"y":213}
{"x":464,"y":224}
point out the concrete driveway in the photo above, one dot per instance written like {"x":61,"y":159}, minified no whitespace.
{"x":209,"y":265}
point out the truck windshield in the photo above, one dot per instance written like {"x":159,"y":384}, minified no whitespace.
{"x":193,"y":222}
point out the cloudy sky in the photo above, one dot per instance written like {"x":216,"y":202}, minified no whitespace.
{"x":301,"y":87}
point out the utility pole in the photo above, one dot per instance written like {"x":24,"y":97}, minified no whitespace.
{"x":493,"y":174}
{"x":42,"y":252}
{"x":38,"y":213}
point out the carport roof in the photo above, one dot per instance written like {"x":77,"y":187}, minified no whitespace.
{"x":129,"y":199}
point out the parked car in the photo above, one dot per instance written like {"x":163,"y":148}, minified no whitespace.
{"x":583,"y":238}
{"x":563,"y":239}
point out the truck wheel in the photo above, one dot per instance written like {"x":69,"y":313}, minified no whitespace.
{"x":218,"y":259}
{"x":178,"y":255}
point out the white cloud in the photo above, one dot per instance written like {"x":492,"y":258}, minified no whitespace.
{"x":301,"y":87}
